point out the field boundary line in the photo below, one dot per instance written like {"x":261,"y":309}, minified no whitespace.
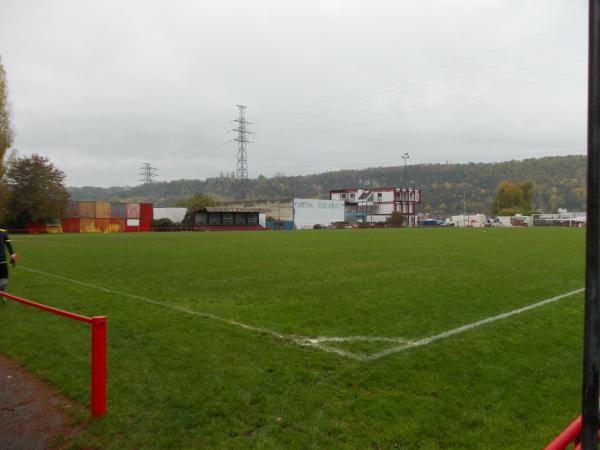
{"x":320,"y":339}
{"x":446,"y":334}
{"x":302,"y":341}
{"x":320,"y":342}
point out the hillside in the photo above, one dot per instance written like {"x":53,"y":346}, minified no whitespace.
{"x":559,"y":182}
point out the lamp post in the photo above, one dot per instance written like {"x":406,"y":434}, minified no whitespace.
{"x":405,"y":157}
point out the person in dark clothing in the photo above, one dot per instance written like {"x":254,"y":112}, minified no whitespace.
{"x":5,"y":244}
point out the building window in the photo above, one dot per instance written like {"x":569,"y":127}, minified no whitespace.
{"x":343,"y":195}
{"x":379,"y":196}
{"x":352,"y":195}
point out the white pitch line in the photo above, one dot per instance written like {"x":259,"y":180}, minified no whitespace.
{"x":338,"y":351}
{"x":317,"y":342}
{"x":446,"y":334}
{"x":302,"y":341}
{"x":164,"y":305}
{"x":319,"y":339}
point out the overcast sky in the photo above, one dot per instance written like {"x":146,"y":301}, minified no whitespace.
{"x":103,"y":86}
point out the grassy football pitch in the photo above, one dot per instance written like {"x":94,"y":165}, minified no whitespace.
{"x":315,"y":339}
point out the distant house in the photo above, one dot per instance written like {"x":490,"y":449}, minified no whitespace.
{"x":377,"y":204}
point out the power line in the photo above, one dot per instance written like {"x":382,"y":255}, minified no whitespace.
{"x":148,"y":173}
{"x":241,"y":170}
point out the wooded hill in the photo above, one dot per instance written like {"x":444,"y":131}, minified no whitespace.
{"x":559,"y":182}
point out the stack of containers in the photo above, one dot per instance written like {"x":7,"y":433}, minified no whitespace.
{"x":89,"y":216}
{"x":118,"y":217}
{"x":146,"y":216}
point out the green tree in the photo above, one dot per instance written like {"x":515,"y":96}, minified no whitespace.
{"x":512,"y":198}
{"x":196,"y":201}
{"x":6,"y":134}
{"x":396,"y":218}
{"x":36,"y":191}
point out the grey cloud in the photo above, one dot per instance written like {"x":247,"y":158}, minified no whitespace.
{"x":101,"y":87}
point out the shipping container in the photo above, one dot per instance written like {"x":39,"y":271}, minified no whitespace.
{"x":87,"y":225}
{"x":102,"y":225}
{"x":87,"y":210}
{"x":54,"y":228}
{"x":145,"y":224}
{"x":117,"y":226}
{"x":133,"y":225}
{"x":70,"y":224}
{"x":72,"y":210}
{"x":146,"y":210}
{"x":36,"y":227}
{"x":103,"y":210}
{"x":133,"y":210}
{"x":118,"y":211}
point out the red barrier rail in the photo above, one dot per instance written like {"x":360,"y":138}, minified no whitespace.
{"x":98,"y":323}
{"x":569,"y":435}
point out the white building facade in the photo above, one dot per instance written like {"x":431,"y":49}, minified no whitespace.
{"x":309,"y":212}
{"x":377,"y":204}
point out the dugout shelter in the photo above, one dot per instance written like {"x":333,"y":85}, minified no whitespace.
{"x":224,"y":218}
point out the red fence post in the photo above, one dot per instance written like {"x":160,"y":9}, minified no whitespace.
{"x":98,"y":365}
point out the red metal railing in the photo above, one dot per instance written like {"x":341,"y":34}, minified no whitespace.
{"x":98,"y":323}
{"x":569,"y":435}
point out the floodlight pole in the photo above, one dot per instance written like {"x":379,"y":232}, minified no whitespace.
{"x":405,"y":156}
{"x":591,"y":347}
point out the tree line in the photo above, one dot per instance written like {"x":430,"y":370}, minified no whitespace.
{"x":557,"y":182}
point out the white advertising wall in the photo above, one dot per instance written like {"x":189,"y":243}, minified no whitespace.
{"x":309,"y":212}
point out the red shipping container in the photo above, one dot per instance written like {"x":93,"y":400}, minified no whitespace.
{"x":36,"y":227}
{"x":87,"y":225}
{"x":117,"y":225}
{"x":145,"y":224}
{"x":70,"y":225}
{"x":133,"y":225}
{"x":146,"y":210}
{"x":102,"y":225}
